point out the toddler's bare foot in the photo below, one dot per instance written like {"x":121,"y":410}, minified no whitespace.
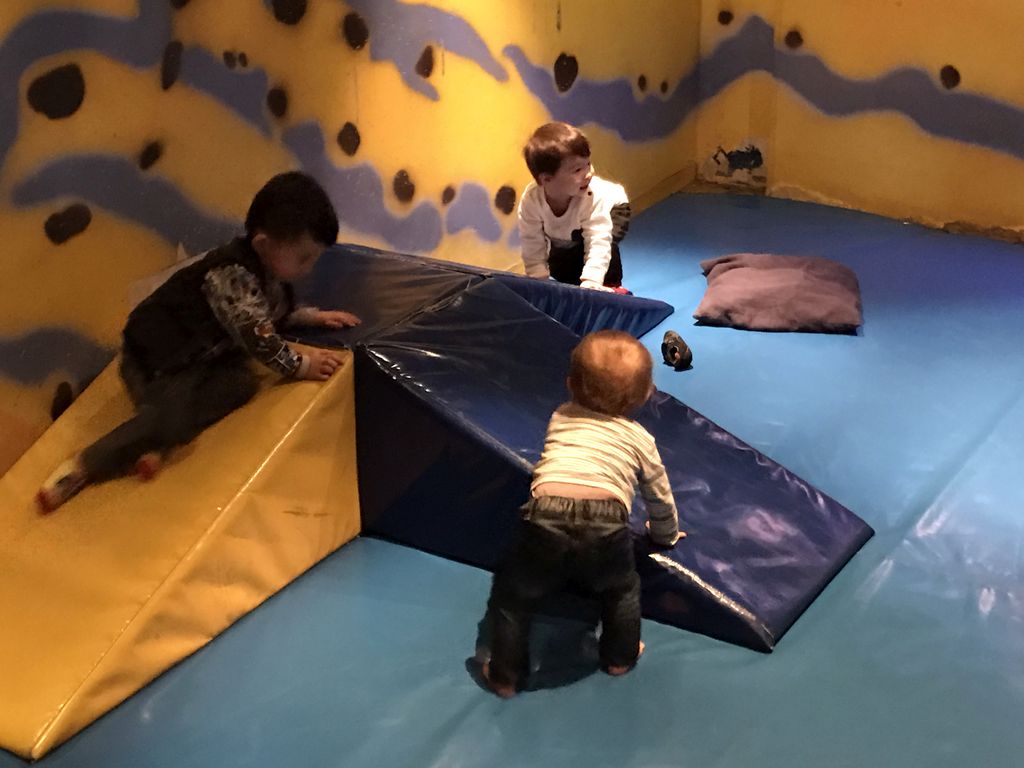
{"x":148,"y":465}
{"x":67,"y":480}
{"x":623,"y":670}
{"x":506,"y":691}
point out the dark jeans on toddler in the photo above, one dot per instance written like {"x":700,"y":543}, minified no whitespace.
{"x":171,"y":409}
{"x":563,"y":541}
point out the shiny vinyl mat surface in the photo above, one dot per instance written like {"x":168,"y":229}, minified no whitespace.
{"x":913,"y":655}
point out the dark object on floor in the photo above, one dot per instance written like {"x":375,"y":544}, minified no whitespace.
{"x":770,"y":292}
{"x":676,"y":352}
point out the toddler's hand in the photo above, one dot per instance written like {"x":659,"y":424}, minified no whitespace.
{"x":593,"y":285}
{"x":679,"y":535}
{"x":335,"y":318}
{"x":322,"y":364}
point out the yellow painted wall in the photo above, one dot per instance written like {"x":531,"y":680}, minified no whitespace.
{"x":931,"y":154}
{"x":460,"y":125}
{"x":872,"y":127}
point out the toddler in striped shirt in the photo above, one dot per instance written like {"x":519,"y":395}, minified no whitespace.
{"x":575,"y":526}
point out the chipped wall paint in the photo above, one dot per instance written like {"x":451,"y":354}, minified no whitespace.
{"x":135,"y":131}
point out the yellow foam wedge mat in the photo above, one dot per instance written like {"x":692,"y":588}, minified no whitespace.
{"x":130,"y":577}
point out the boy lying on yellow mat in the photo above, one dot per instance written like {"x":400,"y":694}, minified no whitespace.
{"x":186,"y":351}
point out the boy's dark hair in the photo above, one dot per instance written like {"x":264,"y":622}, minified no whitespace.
{"x":290,"y":205}
{"x":551,"y":144}
{"x":610,"y":372}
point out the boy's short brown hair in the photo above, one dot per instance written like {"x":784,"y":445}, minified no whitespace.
{"x":551,"y":144}
{"x":610,"y":372}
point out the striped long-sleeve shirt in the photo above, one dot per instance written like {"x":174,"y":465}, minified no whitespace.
{"x":612,"y":453}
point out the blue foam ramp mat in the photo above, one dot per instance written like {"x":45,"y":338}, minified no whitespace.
{"x":470,"y":386}
{"x":582,"y":311}
{"x":380,"y":287}
{"x":384,"y":288}
{"x":762,"y":542}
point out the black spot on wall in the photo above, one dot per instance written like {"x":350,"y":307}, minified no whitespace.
{"x":566,"y":69}
{"x":725,"y":18}
{"x":641,"y":82}
{"x":663,"y":87}
{"x":230,"y":60}
{"x":150,"y":154}
{"x":794,"y":39}
{"x":170,"y":68}
{"x":59,"y":93}
{"x":355,"y":30}
{"x":348,"y":139}
{"x":403,"y":186}
{"x":179,"y":3}
{"x":63,"y":225}
{"x":950,"y":76}
{"x":505,"y":200}
{"x":425,"y":64}
{"x":447,"y":195}
{"x":277,"y":101}
{"x":63,"y":396}
{"x":243,"y":60}
{"x":289,"y":11}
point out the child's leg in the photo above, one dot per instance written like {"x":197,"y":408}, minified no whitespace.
{"x":174,"y":409}
{"x":509,"y":611}
{"x":104,"y":458}
{"x":613,"y":277}
{"x":620,"y":626}
{"x":532,"y":569}
{"x":617,"y":585}
{"x":112,"y":455}
{"x":171,"y":410}
{"x":621,"y":216}
{"x":115,"y":453}
{"x":225,"y":387}
{"x":566,"y":264}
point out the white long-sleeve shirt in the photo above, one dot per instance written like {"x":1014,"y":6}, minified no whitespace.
{"x":591,"y":214}
{"x":613,"y":453}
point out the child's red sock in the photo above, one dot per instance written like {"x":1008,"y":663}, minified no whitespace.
{"x":148,"y":465}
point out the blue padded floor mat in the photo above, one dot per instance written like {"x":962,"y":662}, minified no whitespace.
{"x":914,"y":655}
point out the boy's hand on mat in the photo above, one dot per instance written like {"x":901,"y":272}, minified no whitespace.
{"x":593,"y":285}
{"x":335,"y":318}
{"x":322,"y":364}
{"x":679,"y":535}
